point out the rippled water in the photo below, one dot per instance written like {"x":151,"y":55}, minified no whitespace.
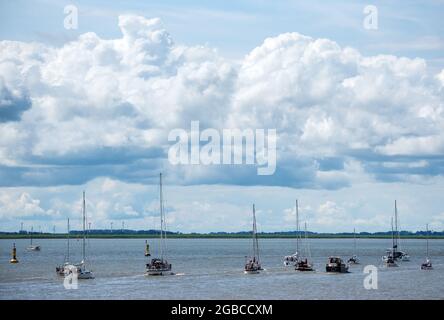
{"x":213,"y":269}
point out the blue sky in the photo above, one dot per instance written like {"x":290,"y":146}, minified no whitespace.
{"x":407,"y":28}
{"x":359,"y":113}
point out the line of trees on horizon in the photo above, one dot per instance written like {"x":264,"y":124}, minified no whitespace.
{"x":222,"y":233}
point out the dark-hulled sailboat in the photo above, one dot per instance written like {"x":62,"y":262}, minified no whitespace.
{"x":253,"y":264}
{"x":160,"y":266}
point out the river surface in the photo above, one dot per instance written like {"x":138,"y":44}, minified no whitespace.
{"x":213,"y":269}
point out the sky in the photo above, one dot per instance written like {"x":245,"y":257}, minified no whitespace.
{"x":358,"y":112}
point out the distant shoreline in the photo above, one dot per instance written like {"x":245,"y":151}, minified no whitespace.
{"x":209,"y":236}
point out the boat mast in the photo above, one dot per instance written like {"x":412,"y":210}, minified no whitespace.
{"x":307,"y":245}
{"x":84,"y":233}
{"x":67,"y":254}
{"x":395,"y":243}
{"x":298,"y":233}
{"x":32,"y":231}
{"x":354,"y":240}
{"x":161,"y":217}
{"x":427,"y":240}
{"x":255,"y":240}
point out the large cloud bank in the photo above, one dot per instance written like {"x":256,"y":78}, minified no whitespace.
{"x":98,"y":107}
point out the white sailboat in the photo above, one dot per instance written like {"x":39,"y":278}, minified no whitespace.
{"x":81,"y":269}
{"x":293,"y":259}
{"x":33,"y":247}
{"x":60,"y":270}
{"x":427,"y":265}
{"x":253,"y":264}
{"x":160,"y":266}
{"x":354,"y":258}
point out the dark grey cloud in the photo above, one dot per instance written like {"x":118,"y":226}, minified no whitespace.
{"x":12,"y":106}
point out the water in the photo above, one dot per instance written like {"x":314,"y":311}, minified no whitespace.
{"x":213,"y":269}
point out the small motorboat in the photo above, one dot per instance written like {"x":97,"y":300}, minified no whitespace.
{"x":336,"y":265}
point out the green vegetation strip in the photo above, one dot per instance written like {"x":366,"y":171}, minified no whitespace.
{"x":209,"y":236}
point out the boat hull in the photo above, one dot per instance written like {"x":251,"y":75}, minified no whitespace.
{"x":84,"y":275}
{"x":304,"y":269}
{"x":158,"y":267}
{"x":353,"y":261}
{"x":405,"y":258}
{"x":390,"y":265}
{"x":427,"y":265}
{"x":33,"y":248}
{"x":336,"y":269}
{"x":303,"y":266}
{"x":164,"y":272}
{"x":251,"y":271}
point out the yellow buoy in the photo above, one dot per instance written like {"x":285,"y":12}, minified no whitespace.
{"x":147,"y":249}
{"x":14,"y":255}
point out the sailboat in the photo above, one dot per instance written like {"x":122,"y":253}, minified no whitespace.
{"x":82,"y":271}
{"x":160,"y":266}
{"x":354,"y":258}
{"x":427,"y":265}
{"x":398,"y":254}
{"x":253,"y":264}
{"x":294,"y":258}
{"x":303,"y":264}
{"x":31,"y":246}
{"x":60,"y":270}
{"x":390,"y":260}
